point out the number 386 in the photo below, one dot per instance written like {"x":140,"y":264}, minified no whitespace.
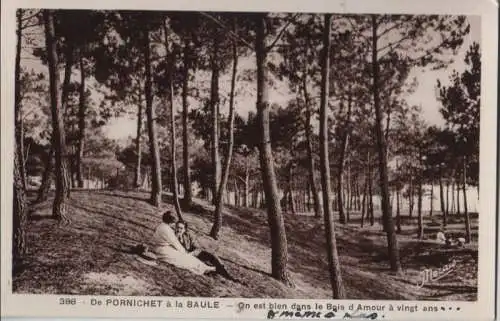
{"x":67,"y":301}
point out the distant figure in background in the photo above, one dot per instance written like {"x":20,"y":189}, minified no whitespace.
{"x":449,"y":241}
{"x":188,"y":242}
{"x":441,"y":237}
{"x":168,"y":249}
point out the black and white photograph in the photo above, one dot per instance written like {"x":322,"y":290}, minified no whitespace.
{"x":239,"y":154}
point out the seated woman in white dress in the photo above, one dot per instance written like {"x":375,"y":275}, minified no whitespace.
{"x":168,"y":249}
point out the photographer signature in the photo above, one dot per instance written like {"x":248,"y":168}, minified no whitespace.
{"x":431,"y":275}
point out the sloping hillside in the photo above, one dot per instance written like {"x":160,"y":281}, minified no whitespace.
{"x":89,"y":256}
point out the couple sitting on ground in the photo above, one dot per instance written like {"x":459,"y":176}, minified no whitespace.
{"x":173,"y":244}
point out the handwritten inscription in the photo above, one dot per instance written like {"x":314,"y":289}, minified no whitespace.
{"x":431,"y":275}
{"x":320,"y":315}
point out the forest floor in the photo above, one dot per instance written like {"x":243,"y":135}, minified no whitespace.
{"x":89,"y":256}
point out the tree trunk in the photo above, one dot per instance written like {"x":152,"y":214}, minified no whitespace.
{"x":214,"y":104}
{"x":419,"y":206}
{"x":392,"y":243}
{"x":138,"y":151}
{"x":431,"y":201}
{"x":398,"y":208}
{"x":340,"y":183}
{"x":468,"y":237}
{"x":247,"y":188}
{"x":441,"y":194}
{"x":370,"y":213}
{"x":20,"y":216}
{"x":188,"y":193}
{"x":43,"y":191}
{"x":349,"y":191}
{"x":363,"y":202}
{"x":331,"y":242}
{"x":227,"y":162}
{"x":173,"y":151}
{"x":410,"y":197}
{"x":81,"y":126}
{"x":458,"y":198}
{"x":59,"y":137}
{"x":447,"y":210}
{"x":237,"y":194}
{"x":358,"y":195}
{"x":291,"y":199}
{"x":279,"y":247}
{"x":398,"y":211}
{"x":19,"y":128}
{"x":309,"y":148}
{"x":173,"y":145}
{"x":69,"y":56}
{"x":156,"y":184}
{"x":453,"y":194}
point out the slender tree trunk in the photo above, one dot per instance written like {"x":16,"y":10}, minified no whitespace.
{"x":59,"y":137}
{"x":279,"y":247}
{"x":43,"y":191}
{"x":68,"y":165}
{"x":458,"y":198}
{"x":237,"y":195}
{"x":340,"y":182}
{"x":19,"y":127}
{"x":227,"y":162}
{"x":349,"y":191}
{"x":247,"y":188}
{"x":156,"y":184}
{"x":410,"y":197}
{"x":441,"y":193}
{"x":370,"y":213}
{"x":419,"y":204}
{"x":173,"y":145}
{"x":291,"y":199}
{"x":308,"y":198}
{"x":138,"y":151}
{"x":81,"y":126}
{"x":398,"y":211}
{"x":188,"y":193}
{"x":431,"y":201}
{"x":19,"y":247}
{"x":311,"y":168}
{"x":214,"y":103}
{"x":363,"y":202}
{"x":468,"y":237}
{"x":453,"y":195}
{"x":358,"y":194}
{"x":447,"y":197}
{"x":392,"y":243}
{"x":26,"y":154}
{"x":331,"y":242}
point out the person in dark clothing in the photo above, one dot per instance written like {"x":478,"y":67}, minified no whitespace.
{"x":189,"y":243}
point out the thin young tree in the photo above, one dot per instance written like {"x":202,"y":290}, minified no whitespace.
{"x":227,"y":162}
{"x":170,"y":99}
{"x":392,"y":243}
{"x":58,"y":131}
{"x":156,"y":185}
{"x":214,"y":109}
{"x":19,"y":128}
{"x":333,"y":258}
{"x":279,"y":247}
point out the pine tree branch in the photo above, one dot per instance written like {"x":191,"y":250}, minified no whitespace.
{"x":226,"y":29}
{"x":281,"y":32}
